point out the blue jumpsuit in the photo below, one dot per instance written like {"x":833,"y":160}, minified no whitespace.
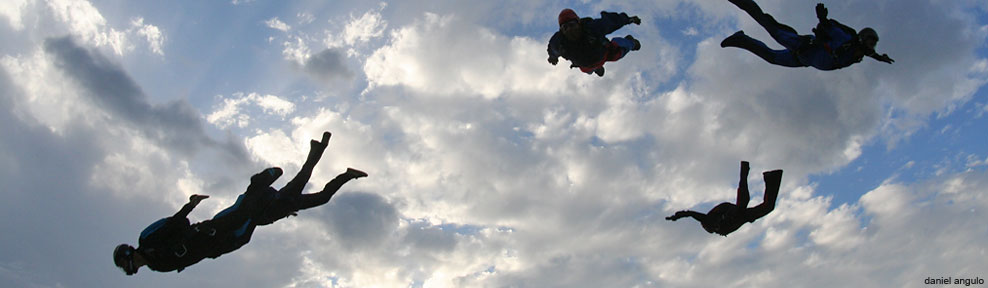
{"x":833,"y":46}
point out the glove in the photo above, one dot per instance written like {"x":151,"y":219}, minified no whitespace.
{"x":821,"y":12}
{"x":885,"y":58}
{"x":553,"y":60}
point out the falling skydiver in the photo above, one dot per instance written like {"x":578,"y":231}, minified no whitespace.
{"x":583,"y":41}
{"x":172,"y":243}
{"x":833,"y":45}
{"x":726,"y":217}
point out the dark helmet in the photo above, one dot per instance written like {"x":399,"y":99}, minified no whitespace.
{"x":123,"y":256}
{"x":567,"y":15}
{"x":868,"y":36}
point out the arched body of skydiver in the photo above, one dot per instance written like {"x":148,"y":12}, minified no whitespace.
{"x":833,"y":45}
{"x":726,"y":217}
{"x":583,"y":41}
{"x":172,"y":243}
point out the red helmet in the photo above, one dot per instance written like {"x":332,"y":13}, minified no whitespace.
{"x":567,"y":15}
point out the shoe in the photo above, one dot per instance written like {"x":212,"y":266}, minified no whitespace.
{"x":325,"y":141}
{"x":638,"y":44}
{"x":772,"y":178}
{"x":735,"y":40}
{"x":599,"y":72}
{"x":354,"y":173}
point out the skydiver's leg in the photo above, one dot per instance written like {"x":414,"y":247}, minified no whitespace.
{"x":295,"y":186}
{"x":773,"y":179}
{"x":619,"y":47}
{"x":743,"y":196}
{"x":307,"y":201}
{"x":785,"y":35}
{"x":778,"y":57}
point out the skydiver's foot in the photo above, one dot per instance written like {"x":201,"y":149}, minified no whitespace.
{"x":735,"y":40}
{"x":317,"y":147}
{"x":636,"y":20}
{"x":321,"y":145}
{"x":773,"y":174}
{"x":599,"y":72}
{"x":354,"y":173}
{"x":772,"y":178}
{"x":638,"y":44}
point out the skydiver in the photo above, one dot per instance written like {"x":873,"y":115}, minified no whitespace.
{"x":172,"y":244}
{"x":583,"y":41}
{"x":833,"y":45}
{"x":726,"y":217}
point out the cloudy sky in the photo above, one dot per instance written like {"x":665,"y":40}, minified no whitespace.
{"x":489,"y":167}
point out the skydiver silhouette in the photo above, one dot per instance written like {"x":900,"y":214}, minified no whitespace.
{"x":726,"y":217}
{"x":583,"y":41}
{"x":172,"y":244}
{"x":833,"y":45}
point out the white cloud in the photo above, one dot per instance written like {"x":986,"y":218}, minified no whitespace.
{"x":229,"y":114}
{"x":12,"y":10}
{"x":368,"y":26}
{"x":85,"y":20}
{"x":296,"y":51}
{"x":432,"y":57}
{"x":231,"y":111}
{"x":691,"y":31}
{"x":276,"y":24}
{"x":305,"y":18}
{"x":273,"y":104}
{"x":151,"y":33}
{"x":491,"y":168}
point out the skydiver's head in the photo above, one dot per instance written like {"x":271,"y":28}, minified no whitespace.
{"x":868,"y":37}
{"x":710,"y":225}
{"x":569,"y":24}
{"x":123,"y":257}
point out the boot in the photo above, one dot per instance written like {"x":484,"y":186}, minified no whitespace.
{"x":773,"y":180}
{"x":354,"y":173}
{"x":316,"y":148}
{"x":735,"y":40}
{"x":638,"y":44}
{"x":599,"y":72}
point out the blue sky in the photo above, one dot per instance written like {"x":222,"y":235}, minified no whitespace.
{"x":488,"y":166}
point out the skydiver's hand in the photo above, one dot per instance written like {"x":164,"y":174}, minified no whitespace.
{"x":885,"y":58}
{"x":636,"y":20}
{"x":679,"y":214}
{"x":553,"y":60}
{"x":196,"y":198}
{"x":821,"y":12}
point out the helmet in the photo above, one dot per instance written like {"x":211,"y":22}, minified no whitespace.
{"x":868,"y":36}
{"x":567,"y":15}
{"x":123,"y":256}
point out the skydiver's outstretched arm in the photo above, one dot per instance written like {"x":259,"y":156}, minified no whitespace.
{"x":688,"y":213}
{"x":884,"y":57}
{"x":555,"y":48}
{"x":610,"y":22}
{"x":193,"y":202}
